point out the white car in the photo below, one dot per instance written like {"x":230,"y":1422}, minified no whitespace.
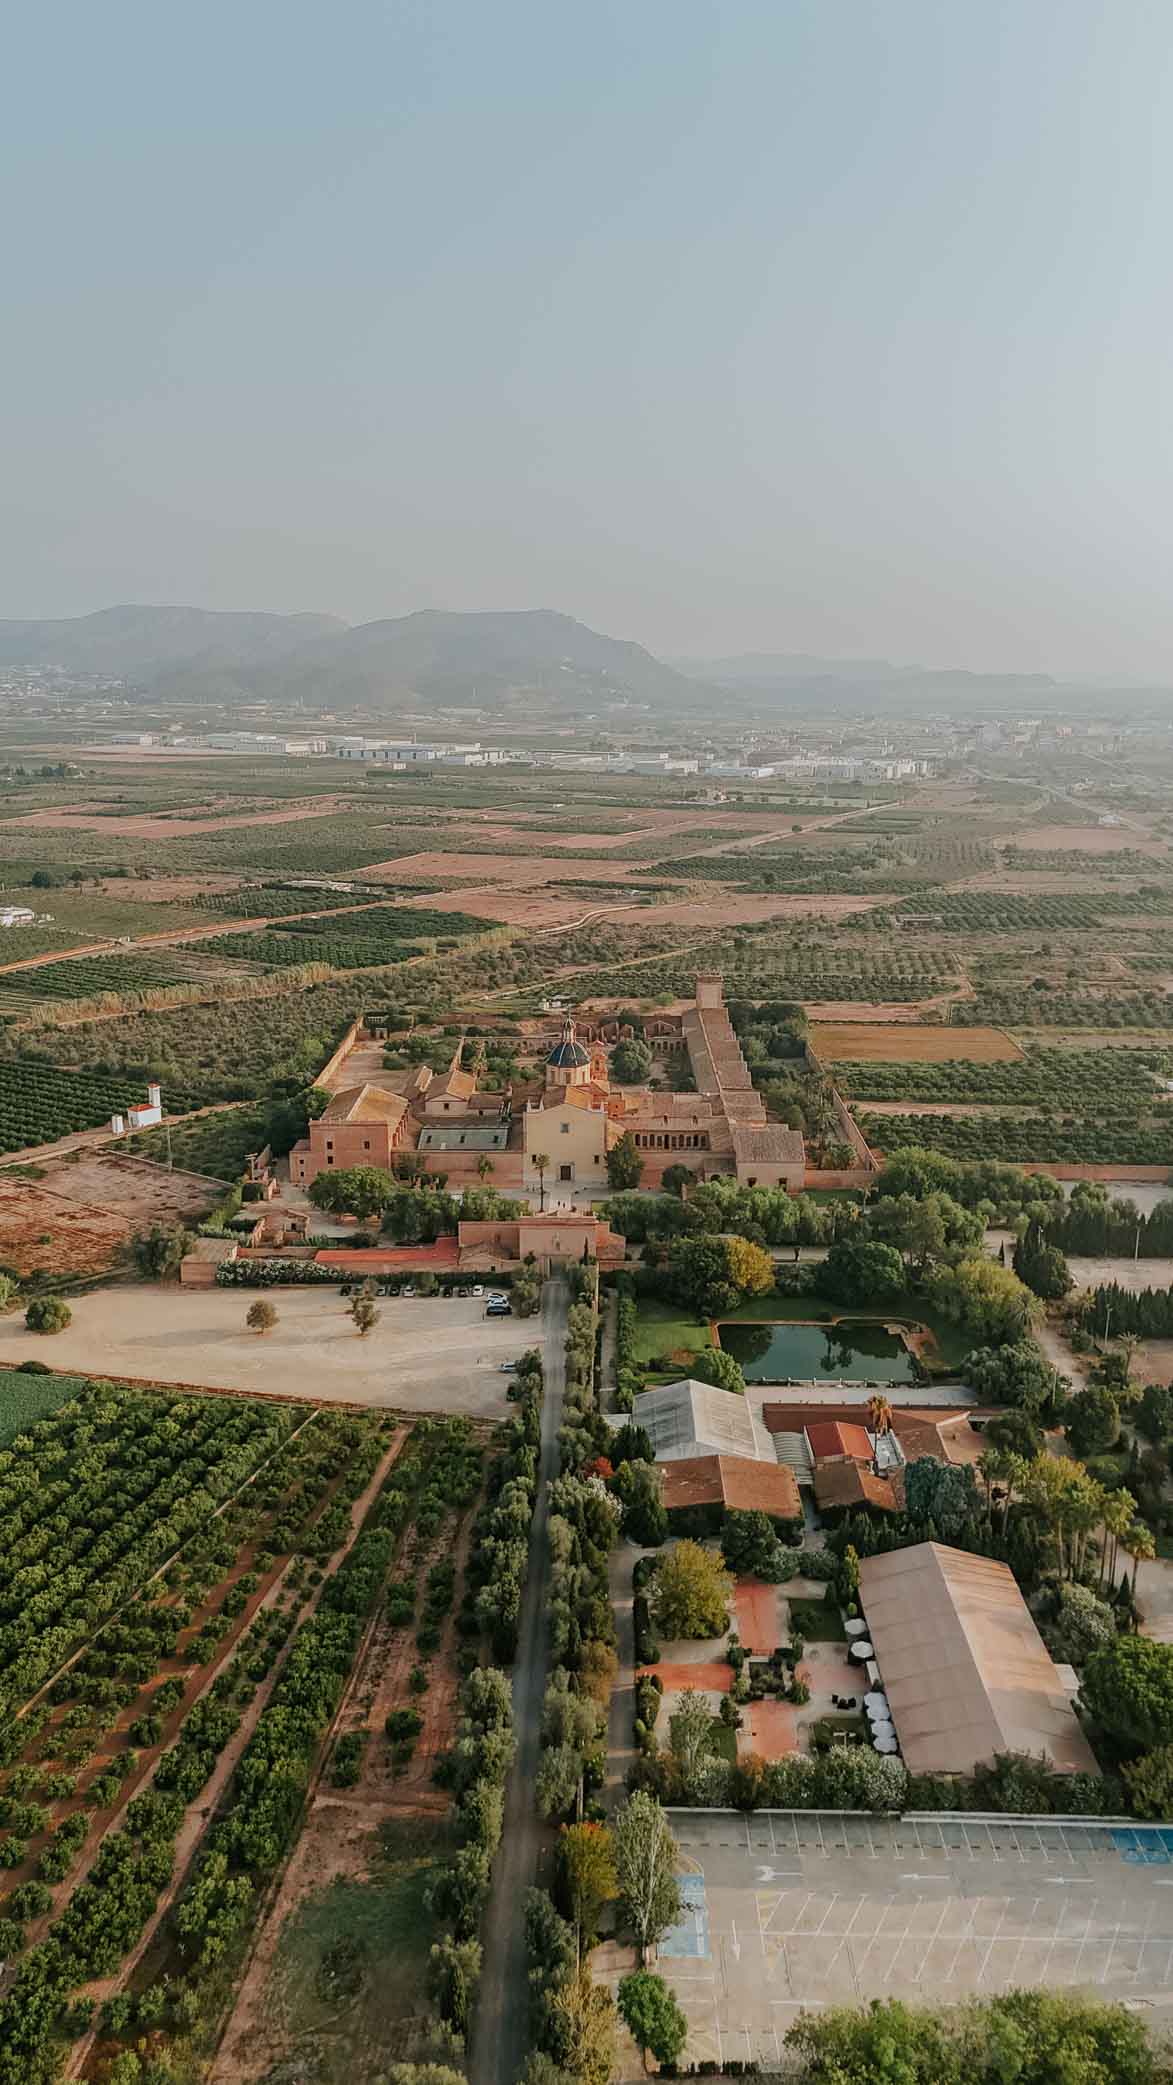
{"x":479,"y":1289}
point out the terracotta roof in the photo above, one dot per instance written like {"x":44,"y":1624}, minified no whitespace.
{"x":730,"y":1480}
{"x":844,"y":1484}
{"x":773,"y":1145}
{"x":460,"y":1084}
{"x":965,"y":1670}
{"x":365,"y":1104}
{"x":833,"y":1437}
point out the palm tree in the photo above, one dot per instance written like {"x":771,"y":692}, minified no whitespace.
{"x":1116,"y":1514}
{"x":879,"y":1414}
{"x":541,"y":1161}
{"x":1141,"y":1548}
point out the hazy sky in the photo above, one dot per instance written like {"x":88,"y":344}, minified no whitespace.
{"x":827,"y":325}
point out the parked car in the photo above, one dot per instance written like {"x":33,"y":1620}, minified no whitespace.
{"x":478,"y":1288}
{"x":498,"y":1307}
{"x":408,"y":1290}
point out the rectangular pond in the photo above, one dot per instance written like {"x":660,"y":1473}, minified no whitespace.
{"x":852,"y":1350}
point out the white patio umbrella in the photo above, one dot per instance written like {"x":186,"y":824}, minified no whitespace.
{"x":856,"y":1628}
{"x":876,"y":1703}
{"x":885,"y":1744}
{"x":883,"y":1727}
{"x":862,"y":1649}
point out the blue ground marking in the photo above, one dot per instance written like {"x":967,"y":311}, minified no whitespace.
{"x":1144,"y":1846}
{"x":691,"y":1936}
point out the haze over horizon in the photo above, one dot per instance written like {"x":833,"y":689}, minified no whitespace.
{"x":756,"y":329}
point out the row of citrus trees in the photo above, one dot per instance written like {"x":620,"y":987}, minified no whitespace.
{"x":212,"y":1918}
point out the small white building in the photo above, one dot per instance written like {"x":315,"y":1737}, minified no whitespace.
{"x":141,"y":1115}
{"x":16,"y":916}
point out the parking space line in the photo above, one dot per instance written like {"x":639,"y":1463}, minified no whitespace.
{"x":826,"y":1915}
{"x":993,"y":1937}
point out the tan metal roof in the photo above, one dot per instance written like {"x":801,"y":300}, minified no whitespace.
{"x":965,"y":1670}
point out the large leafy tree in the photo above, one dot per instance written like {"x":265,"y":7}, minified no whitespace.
{"x":750,"y":1546}
{"x":690,"y":1593}
{"x":1092,"y":1421}
{"x":863,"y":1271}
{"x":1128,"y":1691}
{"x":924,"y":1228}
{"x":1041,"y":1266}
{"x":624,"y":1164}
{"x":719,"y":1367}
{"x":362,"y":1191}
{"x":942,"y":1492}
{"x":1017,"y":1373}
{"x":690,"y":1733}
{"x":1030,"y":2037}
{"x":631,"y":1063}
{"x":987,"y":1300}
{"x":586,"y":1864}
{"x":652,"y":2017}
{"x":646,"y":1857}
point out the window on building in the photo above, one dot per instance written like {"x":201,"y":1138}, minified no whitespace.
{"x":565,"y":1128}
{"x":566,"y":1172}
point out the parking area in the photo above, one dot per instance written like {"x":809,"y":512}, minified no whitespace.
{"x":787,"y":1911}
{"x":425,"y":1354}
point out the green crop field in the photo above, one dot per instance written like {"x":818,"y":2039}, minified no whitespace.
{"x":26,"y":1398}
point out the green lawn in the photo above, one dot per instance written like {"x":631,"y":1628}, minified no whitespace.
{"x":25,"y":1398}
{"x":819,"y":1620}
{"x":664,"y":1328}
{"x":723,"y":1741}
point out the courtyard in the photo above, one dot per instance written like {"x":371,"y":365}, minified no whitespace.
{"x":426,"y":1354}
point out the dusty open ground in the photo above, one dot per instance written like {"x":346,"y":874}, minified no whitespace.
{"x":789,"y":1911}
{"x":80,"y":1216}
{"x":1088,"y":839}
{"x":427,"y":1354}
{"x":891,"y":1041}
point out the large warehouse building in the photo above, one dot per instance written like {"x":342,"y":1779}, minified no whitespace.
{"x":966,"y":1673}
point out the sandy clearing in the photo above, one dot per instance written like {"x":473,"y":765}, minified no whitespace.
{"x":426,"y":1354}
{"x":859,"y":1012}
{"x":904,"y":1041}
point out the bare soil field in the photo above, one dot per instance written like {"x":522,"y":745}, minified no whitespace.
{"x":903,"y":1041}
{"x":854,"y":1012}
{"x":1088,"y":839}
{"x":512,"y":907}
{"x":734,"y":911}
{"x":80,"y":1217}
{"x":527,"y":871}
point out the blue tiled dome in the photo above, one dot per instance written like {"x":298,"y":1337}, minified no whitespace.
{"x":568,"y":1052}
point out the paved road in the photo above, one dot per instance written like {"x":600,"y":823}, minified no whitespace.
{"x":500,"y":2032}
{"x":786,"y":1911}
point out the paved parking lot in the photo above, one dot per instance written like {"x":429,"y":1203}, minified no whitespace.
{"x":784,"y":1912}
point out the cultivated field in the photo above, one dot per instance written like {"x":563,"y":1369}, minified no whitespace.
{"x":897,"y":1041}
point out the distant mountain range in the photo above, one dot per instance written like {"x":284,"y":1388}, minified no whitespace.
{"x":528,"y":666}
{"x":505,"y":662}
{"x":793,"y":673}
